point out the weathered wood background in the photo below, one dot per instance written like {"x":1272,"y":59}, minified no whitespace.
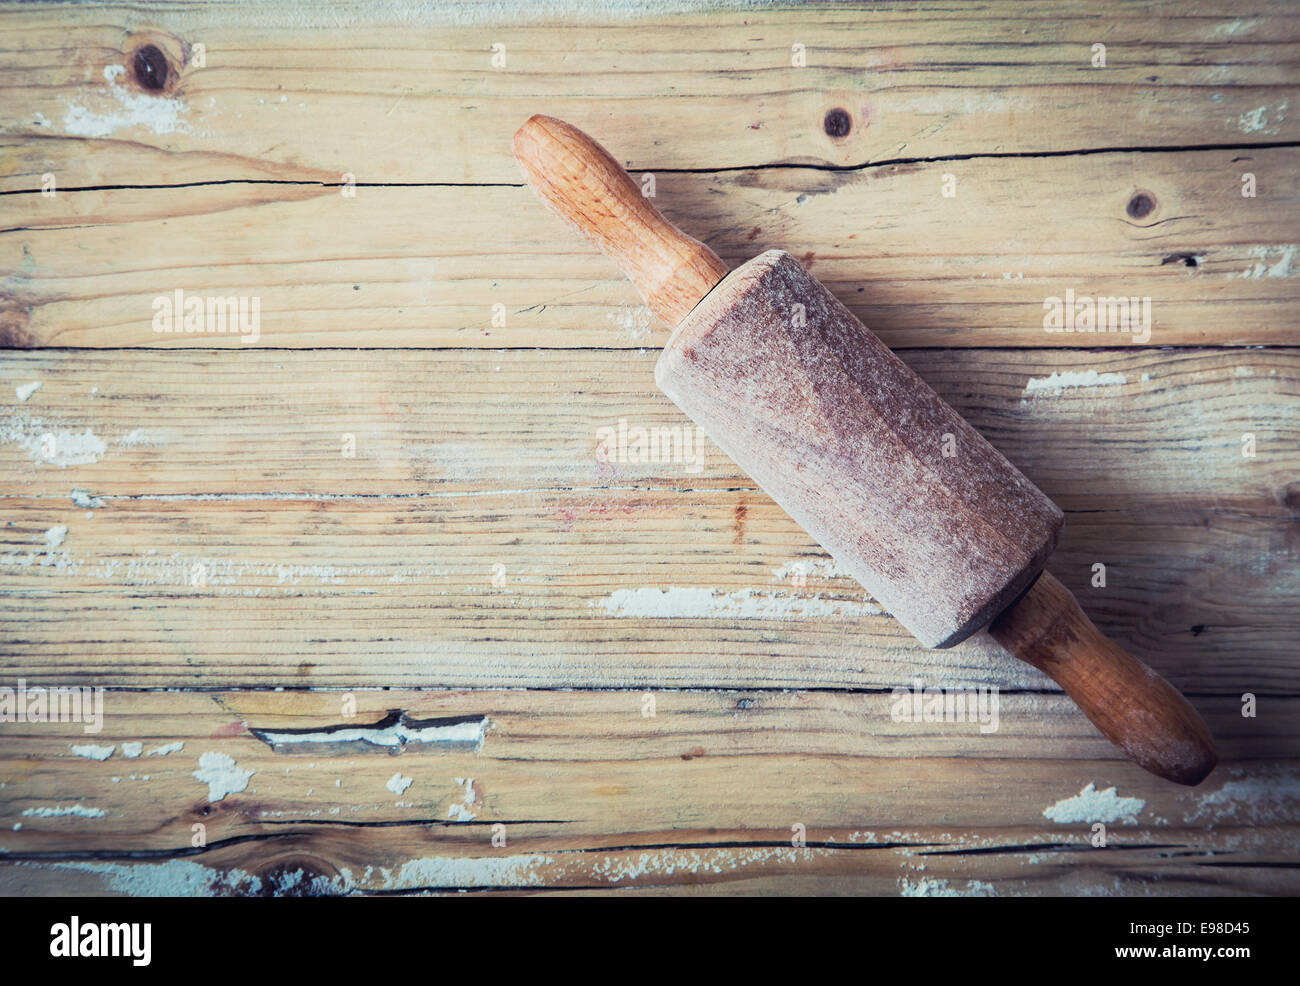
{"x":228,"y":572}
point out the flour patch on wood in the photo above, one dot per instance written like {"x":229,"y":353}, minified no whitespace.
{"x":930,"y":887}
{"x":1091,"y":805}
{"x":1059,"y":382}
{"x":222,"y":775}
{"x":24,"y":391}
{"x":55,"y":536}
{"x":1251,"y":799}
{"x":676,"y":603}
{"x":68,"y":811}
{"x":106,"y":111}
{"x":440,"y":872}
{"x":1270,"y":261}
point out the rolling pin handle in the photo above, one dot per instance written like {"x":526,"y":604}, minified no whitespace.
{"x":1134,"y":707}
{"x":582,"y":184}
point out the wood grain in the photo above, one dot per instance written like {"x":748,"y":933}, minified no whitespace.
{"x":423,"y":267}
{"x":476,"y":442}
{"x":591,"y":792}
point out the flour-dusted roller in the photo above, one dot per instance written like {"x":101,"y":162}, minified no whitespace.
{"x":946,"y":533}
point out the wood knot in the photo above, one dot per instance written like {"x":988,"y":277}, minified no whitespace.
{"x":1141,"y":205}
{"x":149,"y":68}
{"x":837,"y":123}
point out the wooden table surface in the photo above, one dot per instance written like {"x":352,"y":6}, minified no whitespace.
{"x":391,"y":513}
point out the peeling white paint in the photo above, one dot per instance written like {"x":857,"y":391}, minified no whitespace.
{"x":91,"y":752}
{"x":461,"y":812}
{"x":1091,"y":805}
{"x":222,"y":776}
{"x":471,"y":732}
{"x":398,"y":784}
{"x":692,"y":603}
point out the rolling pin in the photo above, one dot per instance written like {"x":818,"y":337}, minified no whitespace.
{"x":905,"y":495}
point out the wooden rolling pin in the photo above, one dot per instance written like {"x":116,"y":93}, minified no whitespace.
{"x":851,"y":443}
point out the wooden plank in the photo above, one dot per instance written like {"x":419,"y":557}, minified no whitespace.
{"x":1095,"y":429}
{"x":424,"y":267}
{"x":590,"y":792}
{"x":714,"y":89}
{"x":478,"y":540}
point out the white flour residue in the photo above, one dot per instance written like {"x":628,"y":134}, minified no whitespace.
{"x":59,"y":811}
{"x":1257,"y":120}
{"x":26,"y":390}
{"x":1091,"y":805}
{"x":117,"y":108}
{"x":825,"y":568}
{"x":667,"y":862}
{"x":633,"y":321}
{"x":86,"y":500}
{"x":46,"y":443}
{"x":398,"y":784}
{"x":1270,"y":261}
{"x":461,"y":812}
{"x":705,"y":604}
{"x":132,"y":750}
{"x":55,"y":536}
{"x":435,"y":872}
{"x":174,"y":878}
{"x":1261,"y":798}
{"x":929,"y":887}
{"x":1058,"y":383}
{"x":91,"y":752}
{"x":220,"y":773}
{"x":166,"y":748}
{"x":140,"y":437}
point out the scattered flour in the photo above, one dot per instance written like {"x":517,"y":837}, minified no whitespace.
{"x":174,"y":878}
{"x":55,"y":536}
{"x":1091,"y":805}
{"x":86,"y":501}
{"x":1253,"y":799}
{"x":930,"y":887}
{"x":1271,"y":261}
{"x":45,"y":443}
{"x":26,"y":390}
{"x":747,"y":604}
{"x":77,"y":811}
{"x":219,"y":772}
{"x":166,"y":748}
{"x":1058,"y":383}
{"x":117,"y":108}
{"x":132,"y":750}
